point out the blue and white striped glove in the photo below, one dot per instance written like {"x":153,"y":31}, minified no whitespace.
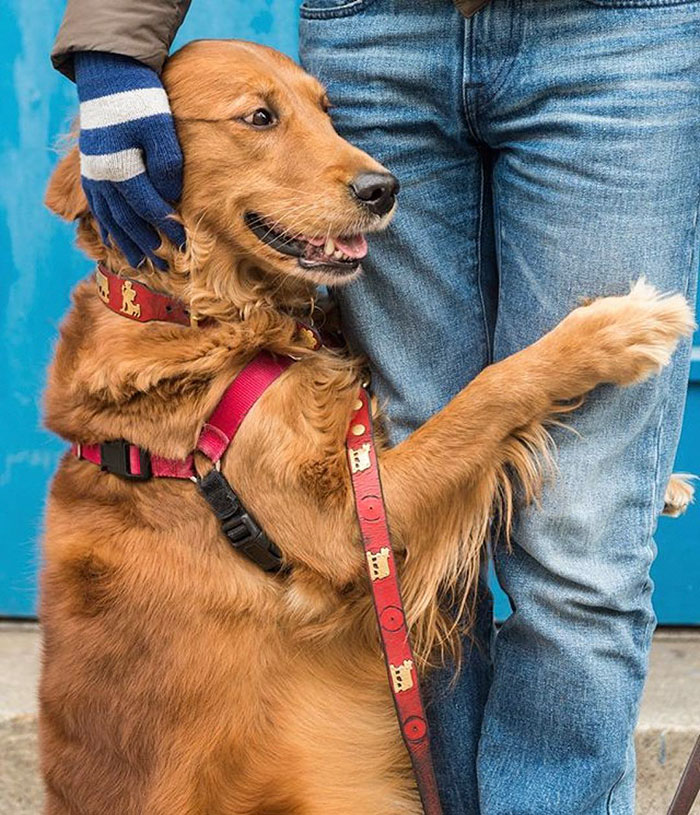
{"x":130,"y":158}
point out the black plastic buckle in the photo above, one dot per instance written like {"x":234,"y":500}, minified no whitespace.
{"x":115,"y":458}
{"x":239,"y":526}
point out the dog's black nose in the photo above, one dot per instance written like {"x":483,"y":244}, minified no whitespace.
{"x":377,"y":191}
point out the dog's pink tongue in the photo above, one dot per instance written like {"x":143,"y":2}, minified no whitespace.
{"x":354,"y":247}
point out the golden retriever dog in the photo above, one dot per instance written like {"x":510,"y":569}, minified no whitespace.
{"x":178,"y":677}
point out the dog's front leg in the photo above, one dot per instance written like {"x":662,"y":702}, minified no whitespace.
{"x":441,"y":484}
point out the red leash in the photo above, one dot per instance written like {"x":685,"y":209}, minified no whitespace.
{"x":388,"y":605}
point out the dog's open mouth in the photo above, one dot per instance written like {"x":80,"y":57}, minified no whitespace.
{"x":341,"y":254}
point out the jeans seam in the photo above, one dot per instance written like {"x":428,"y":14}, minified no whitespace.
{"x":690,"y":265}
{"x":640,"y":4}
{"x":501,"y":77}
{"x":348,"y":9}
{"x":692,"y":242}
{"x":612,"y":792}
{"x":480,"y":263}
{"x":498,"y":241}
{"x":470,"y":119}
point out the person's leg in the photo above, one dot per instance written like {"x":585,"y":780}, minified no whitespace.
{"x":596,"y":117}
{"x":393,"y":72}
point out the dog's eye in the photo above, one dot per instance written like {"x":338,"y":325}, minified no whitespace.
{"x":262,"y":117}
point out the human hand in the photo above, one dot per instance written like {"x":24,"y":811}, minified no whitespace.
{"x":130,"y":158}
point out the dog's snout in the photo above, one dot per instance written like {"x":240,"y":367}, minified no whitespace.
{"x":377,"y":191}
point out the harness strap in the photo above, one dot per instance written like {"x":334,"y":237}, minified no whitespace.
{"x":245,"y":390}
{"x":388,"y":605}
{"x":130,"y":461}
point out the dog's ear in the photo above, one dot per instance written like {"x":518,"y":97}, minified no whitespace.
{"x":64,"y":194}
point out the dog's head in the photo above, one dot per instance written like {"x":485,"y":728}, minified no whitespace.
{"x":267,"y":179}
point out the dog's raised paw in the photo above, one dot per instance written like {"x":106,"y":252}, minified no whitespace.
{"x":640,"y":331}
{"x":679,"y":494}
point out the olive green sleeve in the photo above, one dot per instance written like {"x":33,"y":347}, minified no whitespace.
{"x":142,"y":29}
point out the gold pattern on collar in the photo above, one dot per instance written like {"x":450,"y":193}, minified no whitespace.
{"x":129,"y":304}
{"x":102,"y":286}
{"x":307,"y":338}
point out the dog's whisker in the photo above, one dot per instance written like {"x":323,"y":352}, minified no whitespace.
{"x":283,"y":215}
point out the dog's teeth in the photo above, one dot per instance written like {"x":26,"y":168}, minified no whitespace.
{"x":338,"y":254}
{"x":329,"y":248}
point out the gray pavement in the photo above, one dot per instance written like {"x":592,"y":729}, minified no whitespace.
{"x":668,"y":726}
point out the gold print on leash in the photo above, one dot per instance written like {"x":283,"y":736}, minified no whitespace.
{"x":129,"y":306}
{"x":102,"y":286}
{"x":379,"y":563}
{"x":359,"y":458}
{"x":402,"y":676}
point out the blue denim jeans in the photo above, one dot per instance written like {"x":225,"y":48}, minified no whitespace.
{"x":548,"y":150}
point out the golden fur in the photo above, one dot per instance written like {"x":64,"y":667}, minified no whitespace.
{"x":178,"y":679}
{"x":680,"y":494}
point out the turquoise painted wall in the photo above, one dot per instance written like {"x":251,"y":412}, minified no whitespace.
{"x":39,"y":268}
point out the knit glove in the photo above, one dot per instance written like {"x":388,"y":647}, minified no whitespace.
{"x":130,"y":158}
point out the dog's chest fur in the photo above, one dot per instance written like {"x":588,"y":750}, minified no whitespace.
{"x":169,"y":655}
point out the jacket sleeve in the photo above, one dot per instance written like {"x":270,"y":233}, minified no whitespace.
{"x":141,"y":29}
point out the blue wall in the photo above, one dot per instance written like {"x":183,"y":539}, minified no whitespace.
{"x":39,"y":268}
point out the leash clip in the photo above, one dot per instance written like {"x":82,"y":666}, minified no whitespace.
{"x":115,"y":458}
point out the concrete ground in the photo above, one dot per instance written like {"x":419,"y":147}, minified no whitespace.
{"x":668,"y":726}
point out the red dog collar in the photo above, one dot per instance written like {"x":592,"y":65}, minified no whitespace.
{"x":137,"y":301}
